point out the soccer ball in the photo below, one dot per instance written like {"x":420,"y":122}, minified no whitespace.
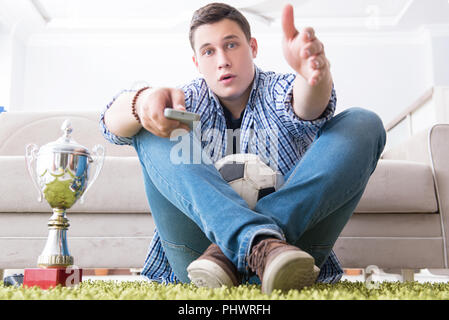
{"x":249,"y":176}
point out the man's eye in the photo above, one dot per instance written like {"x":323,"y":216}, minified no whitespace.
{"x":208,"y":52}
{"x":231,"y":45}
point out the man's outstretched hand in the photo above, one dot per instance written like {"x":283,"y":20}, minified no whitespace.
{"x":303,"y":51}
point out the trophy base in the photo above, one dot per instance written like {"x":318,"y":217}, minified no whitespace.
{"x":51,"y":277}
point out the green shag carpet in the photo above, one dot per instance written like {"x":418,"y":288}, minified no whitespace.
{"x":345,"y":290}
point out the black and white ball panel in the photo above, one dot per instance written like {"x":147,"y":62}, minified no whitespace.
{"x":249,"y":176}
{"x":265,"y":192}
{"x":232,"y":171}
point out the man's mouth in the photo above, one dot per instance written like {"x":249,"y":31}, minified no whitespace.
{"x":226,"y":78}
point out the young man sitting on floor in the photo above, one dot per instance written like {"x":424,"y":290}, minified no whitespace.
{"x":205,"y":230}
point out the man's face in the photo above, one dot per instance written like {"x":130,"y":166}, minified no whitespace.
{"x":225,"y":58}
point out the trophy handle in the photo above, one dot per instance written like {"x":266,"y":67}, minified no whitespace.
{"x":97,"y":158}
{"x":30,"y":158}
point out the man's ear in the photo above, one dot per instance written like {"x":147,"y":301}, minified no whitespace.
{"x":254,"y":47}
{"x":195,"y":62}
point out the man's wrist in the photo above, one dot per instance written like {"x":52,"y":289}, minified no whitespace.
{"x":136,"y":105}
{"x":309,"y":102}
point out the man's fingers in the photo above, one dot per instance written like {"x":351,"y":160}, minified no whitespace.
{"x":312,"y":48}
{"x":307,"y":34}
{"x":288,"y":24}
{"x":179,"y":107}
{"x":177,"y":99}
{"x":314,"y":79}
{"x":167,"y":130}
{"x":317,"y":62}
{"x":184,"y":126}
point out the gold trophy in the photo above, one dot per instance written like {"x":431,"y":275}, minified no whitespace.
{"x":60,"y":171}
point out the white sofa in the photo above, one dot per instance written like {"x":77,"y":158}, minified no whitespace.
{"x":401,"y":222}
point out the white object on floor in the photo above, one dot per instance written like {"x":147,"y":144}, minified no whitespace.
{"x":118,"y":278}
{"x":425,"y":275}
{"x":351,"y":278}
{"x":10,"y":272}
{"x":378,"y":275}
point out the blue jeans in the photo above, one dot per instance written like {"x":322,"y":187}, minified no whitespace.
{"x":193,"y":206}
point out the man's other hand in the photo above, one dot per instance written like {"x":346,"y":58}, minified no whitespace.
{"x":302,"y":50}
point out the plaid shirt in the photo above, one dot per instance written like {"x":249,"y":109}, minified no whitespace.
{"x":268,"y":111}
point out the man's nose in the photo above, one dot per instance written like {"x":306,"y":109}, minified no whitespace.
{"x":223,"y":60}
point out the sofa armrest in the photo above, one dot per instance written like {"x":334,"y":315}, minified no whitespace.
{"x":431,"y":147}
{"x":438,"y":142}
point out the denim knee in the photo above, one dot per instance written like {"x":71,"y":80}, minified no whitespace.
{"x":367,"y":125}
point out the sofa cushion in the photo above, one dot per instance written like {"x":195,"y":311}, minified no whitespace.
{"x":394,"y":187}
{"x":119,"y":188}
{"x":399,"y":186}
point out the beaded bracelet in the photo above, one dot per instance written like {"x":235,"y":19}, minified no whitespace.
{"x":133,"y":105}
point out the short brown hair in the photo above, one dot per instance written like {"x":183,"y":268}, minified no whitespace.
{"x":215,"y":12}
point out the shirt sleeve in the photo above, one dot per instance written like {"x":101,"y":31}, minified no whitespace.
{"x":280,"y":92}
{"x":108,"y":135}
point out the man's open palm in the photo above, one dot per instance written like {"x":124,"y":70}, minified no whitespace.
{"x":302,"y":50}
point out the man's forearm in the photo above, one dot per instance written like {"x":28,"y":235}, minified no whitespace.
{"x":309,"y":102}
{"x":119,"y":118}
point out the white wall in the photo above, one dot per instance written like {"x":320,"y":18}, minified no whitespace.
{"x":385,"y":76}
{"x":5,"y":69}
{"x":84,"y":72}
{"x":17,"y":92}
{"x":440,"y":57}
{"x":383,"y":72}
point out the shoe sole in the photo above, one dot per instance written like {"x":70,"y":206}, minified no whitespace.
{"x":289,"y":270}
{"x":206,"y":273}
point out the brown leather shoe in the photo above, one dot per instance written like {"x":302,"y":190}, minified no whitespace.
{"x":282,"y":266}
{"x":213,"y":270}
